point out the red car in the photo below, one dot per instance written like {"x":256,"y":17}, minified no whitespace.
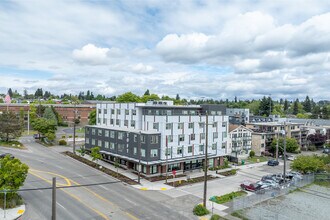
{"x":249,"y":186}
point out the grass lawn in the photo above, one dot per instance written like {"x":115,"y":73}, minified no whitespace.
{"x":323,"y":183}
{"x":255,"y":159}
{"x":32,"y":132}
{"x":80,"y":130}
{"x":12,"y":144}
{"x":227,"y":197}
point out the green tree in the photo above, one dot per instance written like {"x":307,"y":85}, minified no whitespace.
{"x":307,"y":104}
{"x":306,"y":164}
{"x":50,"y":115}
{"x":146,"y":98}
{"x":128,"y":97}
{"x":147,"y":92}
{"x":92,"y":117}
{"x":45,"y":127}
{"x":10,"y":92}
{"x":296,"y":107}
{"x":12,"y":175}
{"x":325,"y":112}
{"x":291,"y":145}
{"x":95,"y":154}
{"x":286,"y":106}
{"x":265,"y":104}
{"x":10,"y":126}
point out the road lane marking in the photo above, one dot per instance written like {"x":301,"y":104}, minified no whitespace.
{"x":55,"y":174}
{"x":103,"y":187}
{"x":60,"y":205}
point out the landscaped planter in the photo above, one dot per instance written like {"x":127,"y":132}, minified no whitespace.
{"x":179,"y":183}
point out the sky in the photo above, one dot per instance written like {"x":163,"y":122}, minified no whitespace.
{"x":198,"y":49}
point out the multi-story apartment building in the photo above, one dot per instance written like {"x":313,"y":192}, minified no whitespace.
{"x":240,"y":140}
{"x":238,"y":116}
{"x":167,"y":135}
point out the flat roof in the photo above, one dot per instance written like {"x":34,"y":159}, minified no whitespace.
{"x":123,"y":129}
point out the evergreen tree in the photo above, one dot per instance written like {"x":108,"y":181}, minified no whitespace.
{"x":307,"y":104}
{"x":177,"y":97}
{"x":10,"y":92}
{"x":286,"y":105}
{"x":50,"y":115}
{"x":296,"y":107}
{"x":147,"y":92}
{"x":235,"y":100}
{"x":325,"y":112}
{"x":264,"y":106}
{"x":25,"y":94}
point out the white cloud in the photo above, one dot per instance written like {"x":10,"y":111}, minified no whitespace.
{"x":141,"y":68}
{"x":92,"y":55}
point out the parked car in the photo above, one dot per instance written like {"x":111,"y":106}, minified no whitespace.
{"x":37,"y":136}
{"x":288,"y":157}
{"x":272,"y":163}
{"x":252,"y":187}
{"x":266,"y":153}
{"x":266,"y":184}
{"x":326,"y":151}
{"x":7,"y":154}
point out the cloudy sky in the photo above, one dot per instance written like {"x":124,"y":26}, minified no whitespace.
{"x":214,"y":49}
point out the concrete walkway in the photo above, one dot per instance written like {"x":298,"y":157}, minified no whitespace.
{"x":11,"y":214}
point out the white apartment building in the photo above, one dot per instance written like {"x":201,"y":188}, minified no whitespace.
{"x":170,"y":134}
{"x":240,"y":140}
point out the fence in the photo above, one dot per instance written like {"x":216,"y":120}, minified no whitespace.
{"x":249,"y":201}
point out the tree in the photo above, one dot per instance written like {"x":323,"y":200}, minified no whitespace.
{"x":12,"y":175}
{"x":50,"y":115}
{"x":95,"y":153}
{"x":177,"y":97}
{"x":147,"y":92}
{"x":325,"y":112}
{"x":317,"y":139}
{"x":10,"y":92}
{"x":45,"y":127}
{"x":128,"y":97}
{"x":10,"y":126}
{"x":307,"y":164}
{"x":286,"y":105}
{"x":307,"y":104}
{"x":291,"y":145}
{"x":92,"y":117}
{"x":296,"y":107}
{"x":264,"y":107}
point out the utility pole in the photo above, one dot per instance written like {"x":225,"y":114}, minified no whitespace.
{"x":4,"y":204}
{"x":139,"y":166}
{"x":277,"y":145}
{"x":54,"y":199}
{"x":29,"y":120}
{"x":166,"y":154}
{"x":284,"y":153}
{"x":74,"y":128}
{"x":206,"y":161}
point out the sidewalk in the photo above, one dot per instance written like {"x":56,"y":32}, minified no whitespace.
{"x":11,"y":214}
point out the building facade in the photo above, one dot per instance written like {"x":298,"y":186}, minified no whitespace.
{"x":167,"y":135}
{"x":240,"y":140}
{"x":239,"y":116}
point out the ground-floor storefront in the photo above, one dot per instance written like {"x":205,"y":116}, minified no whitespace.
{"x":161,"y":167}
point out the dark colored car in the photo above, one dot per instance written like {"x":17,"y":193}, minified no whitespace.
{"x":272,"y":163}
{"x":7,"y":154}
{"x":37,"y":136}
{"x":326,"y":151}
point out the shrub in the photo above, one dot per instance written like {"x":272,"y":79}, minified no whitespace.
{"x":63,"y":136}
{"x":62,"y":142}
{"x":311,"y":148}
{"x":70,"y":136}
{"x":215,"y":217}
{"x":252,"y":153}
{"x":200,"y":210}
{"x":228,"y":197}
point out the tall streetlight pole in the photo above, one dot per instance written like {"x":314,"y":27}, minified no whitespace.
{"x":284,"y":153}
{"x":166,"y":154}
{"x":206,"y":160}
{"x":74,"y":128}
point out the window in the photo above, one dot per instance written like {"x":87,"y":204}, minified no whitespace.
{"x":185,"y":112}
{"x":112,"y":134}
{"x":181,"y":137}
{"x":99,"y":110}
{"x":169,"y":126}
{"x":112,"y":111}
{"x":112,"y":146}
{"x":201,"y":148}
{"x":117,"y":121}
{"x":99,"y":143}
{"x":87,"y":140}
{"x":133,"y":123}
{"x":214,"y":146}
{"x":106,"y":133}
{"x":224,"y":134}
{"x":143,"y":153}
{"x":201,"y":124}
{"x":168,"y":112}
{"x":262,"y":145}
{"x":126,"y":112}
{"x":202,"y":136}
{"x":93,"y":131}
{"x":105,"y":111}
{"x":180,"y":126}
{"x":168,"y":151}
{"x":192,"y":112}
{"x":133,"y":112}
{"x":224,"y":124}
{"x":118,"y":111}
{"x":179,"y":150}
{"x":93,"y":141}
{"x":215,"y":124}
{"x":153,"y":169}
{"x":155,"y":126}
{"x":215,"y":134}
{"x":169,"y":138}
{"x":98,"y":120}
{"x":191,"y":125}
{"x":121,"y":147}
{"x":106,"y":144}
{"x":189,"y":149}
{"x":135,"y":150}
{"x":104,"y":120}
{"x":143,"y":139}
{"x":154,"y":139}
{"x":111,"y":121}
{"x":153,"y":153}
{"x":120,"y":135}
{"x":192,"y":137}
{"x":223,"y":145}
{"x":99,"y":132}
{"x":126,"y":123}
{"x":262,"y":136}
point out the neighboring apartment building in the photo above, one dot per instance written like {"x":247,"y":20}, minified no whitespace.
{"x":239,"y":116}
{"x":273,"y":129}
{"x":240,"y":140}
{"x":165,"y":133}
{"x":65,"y":111}
{"x":259,"y":142}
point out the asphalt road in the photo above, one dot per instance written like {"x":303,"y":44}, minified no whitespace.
{"x":108,"y":201}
